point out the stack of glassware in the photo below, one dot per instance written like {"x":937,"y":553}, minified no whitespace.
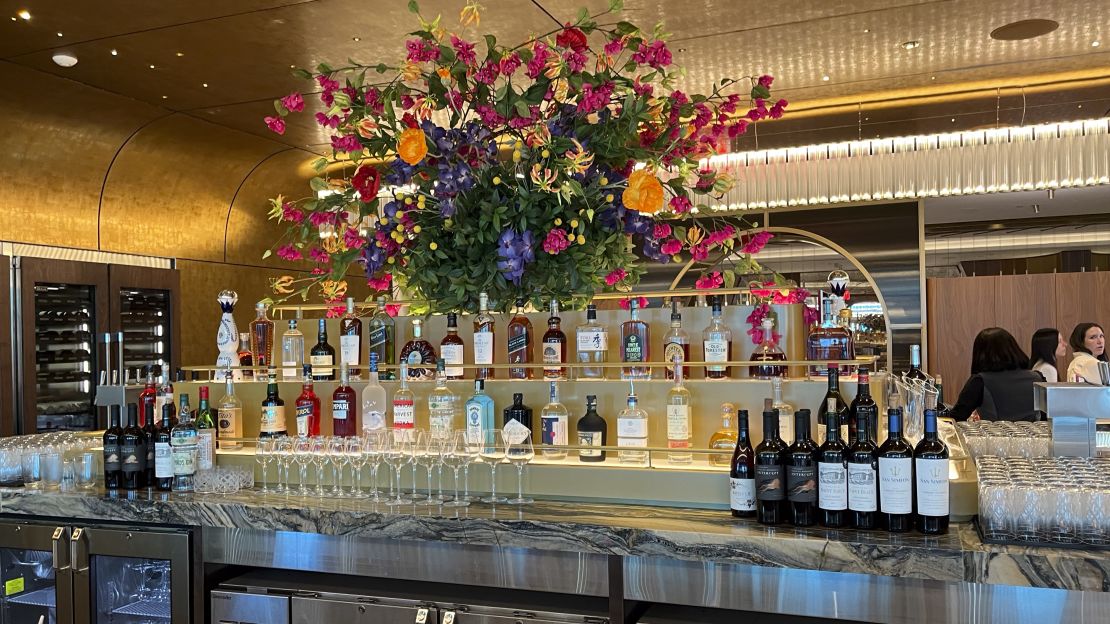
{"x":1006,"y":439}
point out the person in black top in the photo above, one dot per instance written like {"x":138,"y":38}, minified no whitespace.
{"x":1001,"y":384}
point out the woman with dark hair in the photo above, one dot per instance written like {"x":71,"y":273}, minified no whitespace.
{"x":1001,"y":384}
{"x":1047,"y":347}
{"x":1089,"y":343}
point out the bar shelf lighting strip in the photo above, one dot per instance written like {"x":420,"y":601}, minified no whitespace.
{"x":995,"y":160}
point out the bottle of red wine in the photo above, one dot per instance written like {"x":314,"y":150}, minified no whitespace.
{"x":915,"y":371}
{"x":149,"y":428}
{"x":133,"y":451}
{"x":741,"y":481}
{"x":896,"y":477}
{"x":770,"y":475}
{"x":832,"y":473}
{"x":834,"y":393}
{"x":863,"y":492}
{"x":863,"y":406}
{"x":801,"y":473}
{"x":930,"y":460}
{"x":113,"y":436}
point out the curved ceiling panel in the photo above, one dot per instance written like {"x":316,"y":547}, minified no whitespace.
{"x":169,"y":191}
{"x":249,"y":230}
{"x":59,"y":140}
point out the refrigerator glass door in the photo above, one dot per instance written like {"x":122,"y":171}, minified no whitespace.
{"x":144,"y":318}
{"x":131,"y":590}
{"x":65,"y":327}
{"x":34,"y":583}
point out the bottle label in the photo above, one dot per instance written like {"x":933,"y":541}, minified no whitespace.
{"x":374,"y":420}
{"x":896,"y":485}
{"x":593,"y":340}
{"x":133,"y":457}
{"x":403,"y":414}
{"x":483,"y":347}
{"x":589,"y":438}
{"x":861,"y":487}
{"x":716,"y":350}
{"x":474,"y":415}
{"x":339,"y":409}
{"x":229,"y":420}
{"x":786,"y":423}
{"x":206,"y":449}
{"x":678,"y":426}
{"x":149,"y":463}
{"x":303,"y":416}
{"x":674,"y":351}
{"x":553,"y":354}
{"x":348,"y":350}
{"x":832,"y":486}
{"x":517,"y":345}
{"x":273,"y":419}
{"x":741,"y":494}
{"x":439,"y":423}
{"x":184,"y":460}
{"x":321,"y":365}
{"x":932,"y":486}
{"x":163,"y":460}
{"x":452,"y":355}
{"x":633,"y":349}
{"x":290,"y":369}
{"x":632,"y":442}
{"x":554,"y":430}
{"x":111,"y":457}
{"x":378,"y":336}
{"x":632,"y":428}
{"x":768,"y":482}
{"x":801,"y":484}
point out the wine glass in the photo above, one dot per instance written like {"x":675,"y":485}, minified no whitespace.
{"x":262,"y":455}
{"x":283,"y":450}
{"x":425,"y":455}
{"x":454,"y":456}
{"x":493,"y":453}
{"x":396,"y":450}
{"x":302,"y":454}
{"x":416,"y":448}
{"x":319,"y":457}
{"x":519,"y":454}
{"x":372,"y":452}
{"x":357,"y":460}
{"x":337,"y":454}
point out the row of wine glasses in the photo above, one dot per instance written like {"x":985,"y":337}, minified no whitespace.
{"x":340,"y":464}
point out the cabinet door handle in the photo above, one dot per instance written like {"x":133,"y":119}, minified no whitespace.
{"x":78,"y":551}
{"x":57,"y":549}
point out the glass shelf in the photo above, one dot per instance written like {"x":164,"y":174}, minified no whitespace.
{"x":39,"y":598}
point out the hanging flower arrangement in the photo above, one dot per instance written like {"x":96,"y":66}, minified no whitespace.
{"x":547,"y":168}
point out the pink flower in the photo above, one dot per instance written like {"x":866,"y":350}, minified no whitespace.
{"x":455,"y":98}
{"x":719,"y":236}
{"x":275,"y":124}
{"x":509,"y":64}
{"x":293,"y":102}
{"x":680,"y":204}
{"x":326,"y":83}
{"x":322,"y":217}
{"x":777,"y":110}
{"x":335,"y":311}
{"x":392,"y":309}
{"x":289,"y":252}
{"x":352,"y":240}
{"x":347,"y":143}
{"x":613,"y":46}
{"x":662,"y":230}
{"x":319,"y":271}
{"x":671,"y":247}
{"x":487,"y":74}
{"x":464,"y":50}
{"x":327,"y":121}
{"x":290,"y":213}
{"x":318,"y":255}
{"x":765,"y":81}
{"x":810,"y":316}
{"x":641,"y":303}
{"x":576,"y":61}
{"x":655,"y":54}
{"x":738,"y":128}
{"x":699,"y":252}
{"x":421,"y":50}
{"x":556,"y":241}
{"x":380,"y":283}
{"x":538,"y":64}
{"x":592,"y":99}
{"x":755,"y":243}
{"x":710,"y":281}
{"x":615,"y":276}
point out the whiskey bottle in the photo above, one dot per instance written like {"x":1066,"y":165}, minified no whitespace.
{"x":451,"y":348}
{"x":592,"y":431}
{"x":635,"y":345}
{"x":676,"y":344}
{"x":717,"y":344}
{"x":678,"y":419}
{"x":381,"y":338}
{"x":520,"y":343}
{"x":483,"y":339}
{"x":554,"y":347}
{"x":322,"y":356}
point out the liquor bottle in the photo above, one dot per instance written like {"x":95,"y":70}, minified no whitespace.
{"x":593,"y":345}
{"x":113,"y":469}
{"x":915,"y":364}
{"x":930,"y":460}
{"x":841,"y":407}
{"x":292,"y":351}
{"x":832,"y":473}
{"x":770,"y":472}
{"x":150,"y":428}
{"x":382,"y":337}
{"x":483,"y":339}
{"x":451,"y":348}
{"x":943,"y":410}
{"x":801,"y":473}
{"x":767,"y":351}
{"x":828,"y":340}
{"x":479,"y":412}
{"x":272,"y":424}
{"x":418,"y":353}
{"x":592,"y":432}
{"x":404,"y":402}
{"x":520,"y":343}
{"x":350,"y":339}
{"x":262,"y":335}
{"x":344,"y":403}
{"x":863,"y":479}
{"x":229,"y":415}
{"x":717,"y":344}
{"x":554,"y":346}
{"x":374,"y":403}
{"x":133,"y":451}
{"x":185,"y":410}
{"x":246,"y":358}
{"x":183,"y":445}
{"x":724,"y":438}
{"x":322,"y":356}
{"x":896,"y":477}
{"x":863,"y":406}
{"x":148,"y":396}
{"x":676,"y":344}
{"x":442,"y":404}
{"x":554,"y":424}
{"x":784,"y":409}
{"x":206,"y":433}
{"x":635,"y":344}
{"x":163,"y":452}
{"x":518,"y":411}
{"x":632,"y":431}
{"x":165,"y":396}
{"x":678,"y":418}
{"x":742,"y":497}
{"x":307,"y":407}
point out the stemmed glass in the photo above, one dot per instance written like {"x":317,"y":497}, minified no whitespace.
{"x":302,"y":453}
{"x":397,"y":450}
{"x":417,"y":447}
{"x":443,"y":447}
{"x":263,"y":453}
{"x":455,"y":456}
{"x":425,"y":455}
{"x":283,"y":451}
{"x":337,"y":454}
{"x":357,"y":459}
{"x":519,"y":454}
{"x":493,"y":453}
{"x":320,"y":457}
{"x":373,"y":448}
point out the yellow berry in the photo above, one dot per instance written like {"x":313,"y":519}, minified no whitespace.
{"x":570,"y":236}
{"x":389,"y":260}
{"x":416,"y":229}
{"x":408,"y":201}
{"x":497,"y":179}
{"x":609,"y":198}
{"x":545,"y":153}
{"x":574,"y":223}
{"x":447,"y":223}
{"x":581,"y":240}
{"x":400,"y":228}
{"x":433,"y":246}
{"x":603,"y":181}
{"x":558,"y":221}
{"x":378,"y":243}
{"x":383,"y":221}
{"x":516,"y":156}
{"x":400,"y":214}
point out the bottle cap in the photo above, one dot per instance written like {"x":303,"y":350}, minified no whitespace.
{"x":675,"y":316}
{"x":591,"y":398}
{"x":323,"y":325}
{"x":518,"y":397}
{"x":306,"y":370}
{"x":591,"y":311}
{"x":350,"y":304}
{"x":452,"y":319}
{"x":203,"y":392}
{"x":261,"y":305}
{"x":292,"y":323}
{"x":716,"y":303}
{"x":167,"y":411}
{"x":479,"y":384}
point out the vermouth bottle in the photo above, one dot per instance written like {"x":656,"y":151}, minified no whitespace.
{"x":521,"y":337}
{"x":308,"y":408}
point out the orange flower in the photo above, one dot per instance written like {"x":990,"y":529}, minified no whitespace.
{"x":282,"y":285}
{"x":332,"y":289}
{"x":644,"y":192}
{"x":412,"y":146}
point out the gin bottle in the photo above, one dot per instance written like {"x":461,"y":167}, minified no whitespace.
{"x":554,"y":423}
{"x":593,"y":345}
{"x":373,"y":400}
{"x":442,"y":405}
{"x":292,"y":351}
{"x":632,"y":432}
{"x":479,"y":412}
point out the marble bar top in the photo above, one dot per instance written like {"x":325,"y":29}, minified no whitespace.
{"x":608,"y":529}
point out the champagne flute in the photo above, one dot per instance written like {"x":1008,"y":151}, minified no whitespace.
{"x":519,"y":454}
{"x":303,"y":456}
{"x":397,"y":449}
{"x":493,"y":453}
{"x":454,"y":456}
{"x":320,"y":457}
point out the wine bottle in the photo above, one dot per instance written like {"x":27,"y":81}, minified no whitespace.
{"x":930,"y":460}
{"x":863,"y":406}
{"x":832,"y":473}
{"x":322,"y":356}
{"x":741,"y":475}
{"x":863,"y":493}
{"x":113,"y":470}
{"x":896,"y":477}
{"x":163,"y":453}
{"x":770,"y":475}
{"x":592,"y":431}
{"x":801,"y":473}
{"x":841,"y":407}
{"x":206,"y":433}
{"x":150,"y":427}
{"x":915,"y":371}
{"x":133,"y":451}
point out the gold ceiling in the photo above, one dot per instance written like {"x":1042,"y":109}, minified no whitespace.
{"x":242,"y":50}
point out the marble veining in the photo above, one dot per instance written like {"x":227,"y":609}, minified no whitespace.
{"x":630,"y":530}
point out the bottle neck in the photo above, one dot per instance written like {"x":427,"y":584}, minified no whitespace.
{"x":832,"y":427}
{"x":834,"y":380}
{"x":776,"y":393}
{"x":801,"y":427}
{"x":417,"y":332}
{"x":895,"y":424}
{"x":203,"y":406}
{"x":863,"y":430}
{"x":271,"y":391}
{"x":770,"y":426}
{"x":864,"y":387}
{"x":742,"y":433}
{"x":931,"y":425}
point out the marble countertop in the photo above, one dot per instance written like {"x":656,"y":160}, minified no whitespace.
{"x":611,"y":529}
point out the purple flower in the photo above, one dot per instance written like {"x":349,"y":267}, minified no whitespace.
{"x":515,"y":253}
{"x":487,"y":74}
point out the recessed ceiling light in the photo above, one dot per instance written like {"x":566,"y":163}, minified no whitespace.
{"x":24,"y":15}
{"x":180,"y":54}
{"x":356,"y":39}
{"x":1096,"y":43}
{"x":953,"y":120}
{"x":152,"y":67}
{"x":1024,"y":29}
{"x":825,"y":78}
{"x":165,"y":97}
{"x":909,"y":45}
{"x":1080,"y":106}
{"x":866,"y":30}
{"x":115,"y":52}
{"x":59,"y":34}
{"x":205,"y":85}
{"x":64,"y":59}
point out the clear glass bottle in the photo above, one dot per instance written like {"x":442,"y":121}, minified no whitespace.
{"x":521,"y":337}
{"x":785,"y":410}
{"x":724,"y":439}
{"x":262,"y":336}
{"x":206,"y":432}
{"x":483,"y":339}
{"x":593,"y":345}
{"x":676,"y":343}
{"x":183,"y":447}
{"x":679,"y":430}
{"x":767,"y":351}
{"x":229,"y":415}
{"x":451,"y":348}
{"x":292,"y":351}
{"x":404,"y":402}
{"x":554,"y":424}
{"x":373,"y":403}
{"x":717,"y":344}
{"x":246,"y":359}
{"x":479,"y":412}
{"x":418,"y":353}
{"x":635,"y":344}
{"x":381,"y":338}
{"x":350,"y":339}
{"x":554,"y":346}
{"x":828,"y":341}
{"x":632,"y":432}
{"x":442,"y":404}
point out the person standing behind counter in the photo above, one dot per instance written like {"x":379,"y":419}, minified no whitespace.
{"x":1089,"y":343}
{"x":1001,"y":384}
{"x":1048,"y":347}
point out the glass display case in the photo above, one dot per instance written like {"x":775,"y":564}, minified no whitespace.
{"x":144,"y":319}
{"x":33,"y":577}
{"x":65,"y":316}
